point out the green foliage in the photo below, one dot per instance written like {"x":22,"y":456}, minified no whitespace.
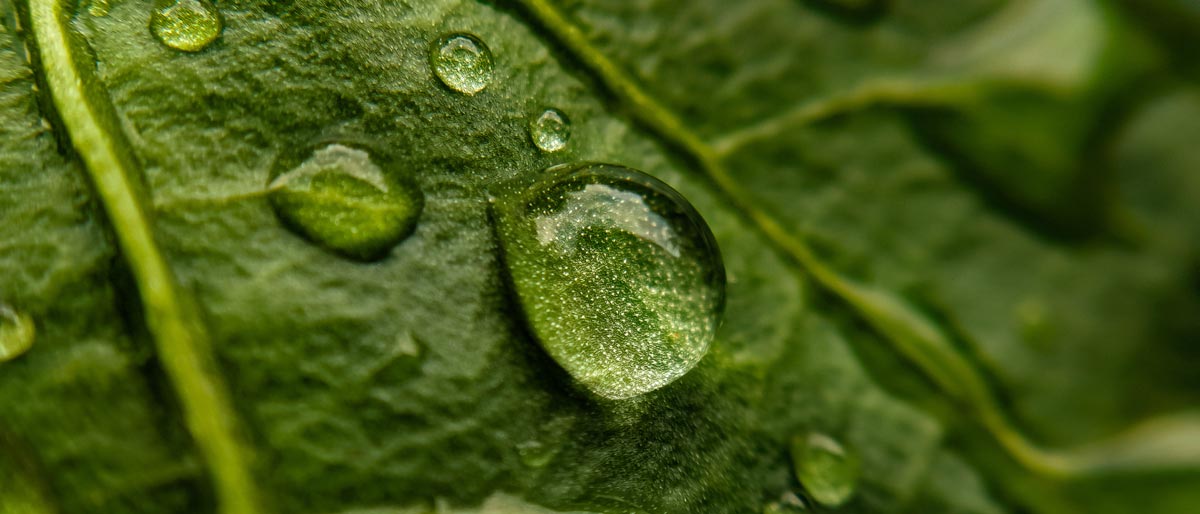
{"x":961,"y":239}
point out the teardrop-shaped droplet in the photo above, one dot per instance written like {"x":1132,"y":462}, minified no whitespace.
{"x":342,"y":200}
{"x":619,"y":278}
{"x":828,"y":471}
{"x":462,"y":62}
{"x":550,"y":130}
{"x":185,"y":25}
{"x":17,"y":333}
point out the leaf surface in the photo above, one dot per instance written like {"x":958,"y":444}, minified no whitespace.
{"x":881,"y":206}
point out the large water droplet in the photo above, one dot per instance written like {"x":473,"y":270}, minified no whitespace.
{"x":619,"y":278}
{"x":17,"y":333}
{"x":341,"y":199}
{"x":186,"y":25}
{"x":463,"y":63}
{"x":828,"y":471}
{"x":550,"y":130}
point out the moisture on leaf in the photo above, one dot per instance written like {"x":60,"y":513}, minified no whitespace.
{"x":618,"y":276}
{"x":343,"y":200}
{"x":351,"y":256}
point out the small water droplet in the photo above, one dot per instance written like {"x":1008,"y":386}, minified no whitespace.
{"x":535,"y":454}
{"x":619,"y":278}
{"x":828,"y":471}
{"x":341,"y":199}
{"x":185,"y":25}
{"x":462,"y":62}
{"x":550,"y":130}
{"x":17,"y":333}
{"x":788,"y":503}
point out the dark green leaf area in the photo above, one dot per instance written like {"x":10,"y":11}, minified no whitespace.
{"x":83,"y":423}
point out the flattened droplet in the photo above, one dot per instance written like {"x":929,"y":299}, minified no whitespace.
{"x":17,"y":333}
{"x":185,"y":25}
{"x":342,"y":200}
{"x":828,"y":471}
{"x":550,"y":130}
{"x":619,"y":278}
{"x":462,"y":62}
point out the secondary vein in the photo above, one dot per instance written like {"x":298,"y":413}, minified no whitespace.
{"x":180,"y":338}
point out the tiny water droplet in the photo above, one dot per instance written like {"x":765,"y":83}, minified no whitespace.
{"x":550,"y":130}
{"x":828,"y":471}
{"x":17,"y":333}
{"x":342,"y":200}
{"x":462,"y":62}
{"x":619,"y":278}
{"x":788,"y":503}
{"x":185,"y":25}
{"x":535,"y":454}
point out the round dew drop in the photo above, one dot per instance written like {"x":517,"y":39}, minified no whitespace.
{"x":619,"y":279}
{"x":342,"y":200}
{"x":550,"y":130}
{"x":185,"y":25}
{"x":462,"y":62}
{"x":17,"y":333}
{"x":828,"y":471}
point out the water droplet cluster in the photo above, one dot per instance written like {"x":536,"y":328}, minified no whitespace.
{"x":619,"y":278}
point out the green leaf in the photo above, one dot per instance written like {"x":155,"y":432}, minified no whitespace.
{"x":898,"y":191}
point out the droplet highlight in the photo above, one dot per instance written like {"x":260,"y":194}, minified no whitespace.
{"x":828,"y":471}
{"x":17,"y":333}
{"x":619,"y":278}
{"x":550,"y":130}
{"x":185,"y":25}
{"x":342,"y":200}
{"x":462,"y":62}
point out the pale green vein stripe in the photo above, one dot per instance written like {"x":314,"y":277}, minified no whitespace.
{"x":879,"y":91}
{"x":910,"y":333}
{"x":180,"y":338}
